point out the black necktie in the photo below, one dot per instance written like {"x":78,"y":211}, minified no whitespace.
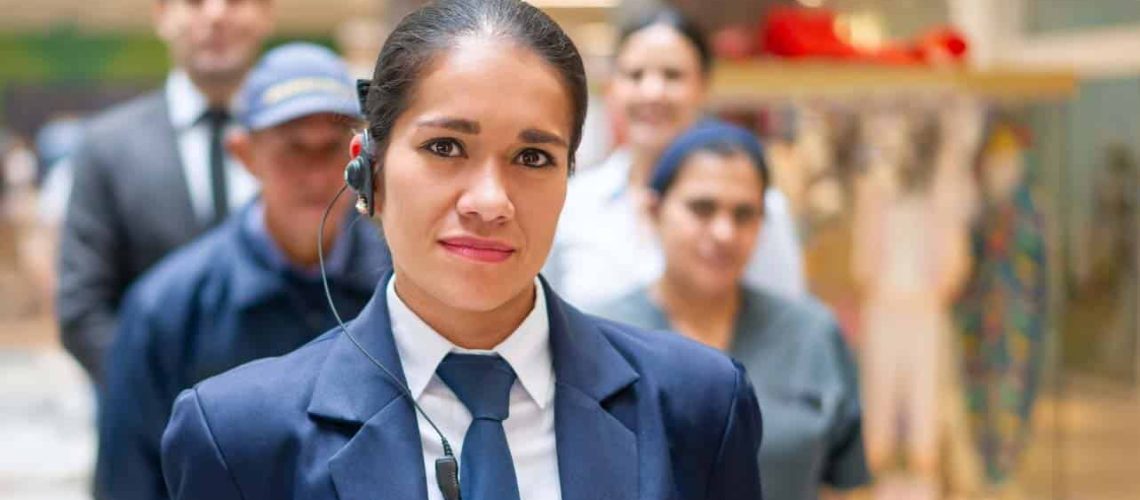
{"x":216,"y":119}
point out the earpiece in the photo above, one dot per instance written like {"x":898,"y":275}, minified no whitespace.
{"x":358,"y":172}
{"x":358,"y":176}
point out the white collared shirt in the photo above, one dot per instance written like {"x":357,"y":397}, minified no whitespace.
{"x":605,"y":249}
{"x":530,"y":426}
{"x":186,"y":105}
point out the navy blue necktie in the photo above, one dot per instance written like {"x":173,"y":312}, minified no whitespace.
{"x":483,"y":384}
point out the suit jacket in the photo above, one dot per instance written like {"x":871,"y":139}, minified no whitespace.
{"x":214,"y":304}
{"x":637,"y":416}
{"x":129,"y":207}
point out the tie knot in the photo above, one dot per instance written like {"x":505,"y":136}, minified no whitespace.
{"x":482,"y":383}
{"x":215,"y":117}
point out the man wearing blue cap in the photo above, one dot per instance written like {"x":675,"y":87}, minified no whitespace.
{"x":251,"y":287}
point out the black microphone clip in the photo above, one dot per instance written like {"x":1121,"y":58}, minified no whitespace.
{"x":447,"y":477}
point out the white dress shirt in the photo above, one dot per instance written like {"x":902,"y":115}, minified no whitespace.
{"x":530,"y":426}
{"x":186,"y":105}
{"x":604,"y":248}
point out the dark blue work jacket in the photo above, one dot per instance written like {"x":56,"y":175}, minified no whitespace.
{"x":637,"y":416}
{"x":225,"y":299}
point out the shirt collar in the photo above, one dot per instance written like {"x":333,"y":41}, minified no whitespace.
{"x":336,"y":261}
{"x":185,"y":101}
{"x":527,"y":349}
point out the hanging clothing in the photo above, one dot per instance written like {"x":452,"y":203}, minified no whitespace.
{"x":1002,"y":319}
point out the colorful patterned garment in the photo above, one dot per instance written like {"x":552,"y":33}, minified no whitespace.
{"x":1002,"y":320}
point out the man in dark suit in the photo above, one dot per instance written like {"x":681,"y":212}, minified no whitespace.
{"x":152,"y":173}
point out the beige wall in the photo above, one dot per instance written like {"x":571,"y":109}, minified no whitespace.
{"x":295,"y":16}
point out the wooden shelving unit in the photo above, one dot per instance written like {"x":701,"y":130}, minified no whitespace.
{"x":735,"y":82}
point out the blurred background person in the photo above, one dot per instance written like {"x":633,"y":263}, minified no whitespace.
{"x":706,"y":207}
{"x":250,"y":288}
{"x":152,"y":173}
{"x":603,"y":247}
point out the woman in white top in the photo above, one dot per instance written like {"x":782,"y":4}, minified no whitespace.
{"x":603,"y":249}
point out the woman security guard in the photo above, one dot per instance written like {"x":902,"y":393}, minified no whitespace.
{"x":474,"y":112}
{"x":708,"y":206}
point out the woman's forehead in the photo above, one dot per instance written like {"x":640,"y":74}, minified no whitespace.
{"x":660,"y":43}
{"x":488,"y":81}
{"x":719,"y":171}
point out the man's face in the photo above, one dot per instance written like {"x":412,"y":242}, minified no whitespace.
{"x":300,"y":165}
{"x":214,"y":40}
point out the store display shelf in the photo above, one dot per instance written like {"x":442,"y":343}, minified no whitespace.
{"x":741,"y":82}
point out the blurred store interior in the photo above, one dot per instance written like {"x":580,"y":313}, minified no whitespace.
{"x":1046,"y":89}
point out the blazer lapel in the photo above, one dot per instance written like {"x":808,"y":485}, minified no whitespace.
{"x":163,"y":151}
{"x":384,"y":459}
{"x":597,"y":453}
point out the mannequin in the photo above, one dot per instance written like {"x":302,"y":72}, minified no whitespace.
{"x":909,"y":257}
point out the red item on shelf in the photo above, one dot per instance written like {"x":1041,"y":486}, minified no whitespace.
{"x":797,"y":33}
{"x":943,"y":44}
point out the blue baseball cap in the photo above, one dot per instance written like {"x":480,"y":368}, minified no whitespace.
{"x":293,"y":81}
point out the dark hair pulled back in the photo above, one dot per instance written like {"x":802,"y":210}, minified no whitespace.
{"x":682,"y":24}
{"x":433,"y":29}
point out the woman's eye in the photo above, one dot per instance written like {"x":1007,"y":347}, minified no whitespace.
{"x":673,"y":74}
{"x":447,"y":148}
{"x":702,"y":209}
{"x":534,"y":158}
{"x":745,"y":215}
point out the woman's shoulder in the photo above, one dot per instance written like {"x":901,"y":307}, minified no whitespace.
{"x":633,"y":308}
{"x":806,"y":315}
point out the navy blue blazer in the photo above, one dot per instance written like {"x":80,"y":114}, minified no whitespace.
{"x":637,"y":416}
{"x":221,"y":301}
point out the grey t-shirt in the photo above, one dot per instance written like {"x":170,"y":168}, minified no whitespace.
{"x":806,"y":384}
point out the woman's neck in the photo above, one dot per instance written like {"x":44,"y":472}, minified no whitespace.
{"x":707,"y":318}
{"x":482,"y":330}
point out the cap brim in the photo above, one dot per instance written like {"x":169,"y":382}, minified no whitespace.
{"x":304,"y":106}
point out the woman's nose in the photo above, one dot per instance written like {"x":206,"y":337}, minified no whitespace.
{"x":652,"y":86}
{"x":486,"y":196}
{"x":723,"y":228}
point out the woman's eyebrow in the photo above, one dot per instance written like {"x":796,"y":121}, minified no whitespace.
{"x":535,"y":136}
{"x":457,"y":124}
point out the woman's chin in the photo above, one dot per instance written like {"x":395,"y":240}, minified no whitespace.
{"x":477,"y":292}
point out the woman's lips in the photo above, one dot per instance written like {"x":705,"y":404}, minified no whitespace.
{"x":476,"y":249}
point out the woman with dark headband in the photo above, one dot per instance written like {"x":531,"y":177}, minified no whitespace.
{"x":464,"y":353}
{"x":707,"y":207}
